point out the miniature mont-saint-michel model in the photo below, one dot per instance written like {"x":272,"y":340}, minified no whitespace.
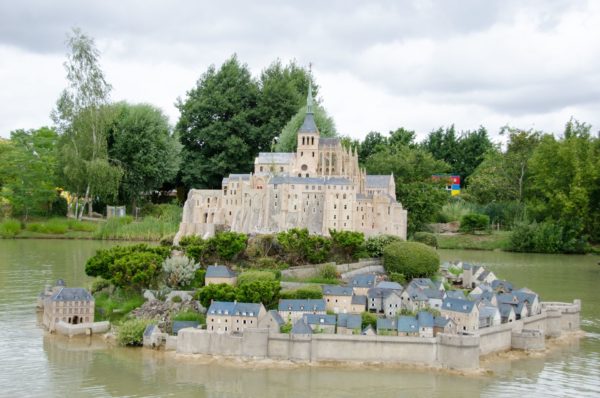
{"x":320,"y":187}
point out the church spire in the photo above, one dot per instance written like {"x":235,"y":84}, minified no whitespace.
{"x":309,"y":97}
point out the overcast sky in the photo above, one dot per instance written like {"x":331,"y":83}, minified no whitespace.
{"x":380,"y":65}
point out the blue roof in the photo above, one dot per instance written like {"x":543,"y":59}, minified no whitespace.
{"x":433,"y":293}
{"x":319,"y":319}
{"x":458,"y":305}
{"x":72,"y":294}
{"x":277,"y":317}
{"x":440,"y":321}
{"x":425,"y":319}
{"x":506,"y":285}
{"x":457,"y":294}
{"x":408,"y":324}
{"x":365,"y":280}
{"x":377,"y":292}
{"x":505,"y":310}
{"x":229,"y":308}
{"x":301,"y":328}
{"x":219,"y":271}
{"x":335,"y":290}
{"x":307,"y":305}
{"x":178,"y":325}
{"x":422,"y":283}
{"x":359,"y":300}
{"x":378,"y":181}
{"x":389,"y":285}
{"x":350,"y":321}
{"x":385,"y":324}
{"x":507,"y":298}
{"x":308,"y":125}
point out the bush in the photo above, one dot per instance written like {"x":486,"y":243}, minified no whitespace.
{"x":474,"y":222}
{"x":99,"y":263}
{"x":397,"y":277}
{"x":262,"y":246}
{"x":427,"y":238}
{"x":10,"y":228}
{"x":259,"y":291}
{"x":167,"y":240}
{"x":348,"y":243}
{"x":454,"y":210}
{"x":136,"y":270}
{"x":255,"y":275}
{"x":99,"y":284}
{"x":198,"y":280}
{"x":547,"y":237}
{"x":411,"y":259}
{"x":328,"y":271}
{"x":309,"y":293}
{"x":300,"y":247}
{"x":55,"y":226}
{"x":376,"y":244}
{"x":220,"y":292}
{"x":190,"y":316}
{"x":369,"y":319}
{"x":179,"y":271}
{"x":176,"y":299}
{"x":228,"y":245}
{"x":131,"y":332}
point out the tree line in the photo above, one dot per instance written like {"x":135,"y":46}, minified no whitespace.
{"x":105,"y":152}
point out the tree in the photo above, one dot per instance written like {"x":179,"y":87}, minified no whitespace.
{"x":373,"y":142}
{"x":100,"y":263}
{"x":220,"y":292}
{"x":348,"y":243}
{"x":282,"y":92}
{"x":81,"y":118}
{"x":287,"y":141}
{"x":259,"y":291}
{"x":140,"y":139}
{"x":411,"y":259}
{"x":219,"y":125}
{"x":229,"y":244}
{"x":27,"y":164}
{"x":136,"y":270}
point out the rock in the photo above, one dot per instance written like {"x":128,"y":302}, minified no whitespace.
{"x":148,"y":295}
{"x":184,"y":295}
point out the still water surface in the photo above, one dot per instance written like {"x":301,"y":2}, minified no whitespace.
{"x":35,"y":364}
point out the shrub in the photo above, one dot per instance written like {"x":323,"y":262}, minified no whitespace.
{"x":411,"y":259}
{"x":455,"y":210}
{"x":131,"y":332}
{"x":99,"y":263}
{"x":308,"y":293}
{"x":318,"y":249}
{"x":228,"y":245}
{"x":369,"y":319}
{"x":397,"y":277}
{"x":376,"y":244}
{"x":348,"y":243}
{"x":474,"y":222}
{"x":259,"y":291}
{"x":300,"y":246}
{"x":176,"y":299}
{"x":268,"y":263}
{"x":55,"y":226}
{"x":167,"y":240}
{"x":136,"y":270}
{"x":220,"y":292}
{"x":262,"y":246}
{"x":286,"y":328}
{"x":179,"y":271}
{"x":189,"y":316}
{"x":198,"y":280}
{"x":547,"y":237}
{"x":10,"y":228}
{"x":427,"y":238}
{"x":328,"y":271}
{"x":255,"y":275}
{"x":99,"y":284}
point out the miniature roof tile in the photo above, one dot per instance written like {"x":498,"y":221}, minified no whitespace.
{"x":233,"y":308}
{"x":457,"y":305}
{"x":328,"y":141}
{"x":425,"y":319}
{"x":378,"y":181}
{"x":359,"y":300}
{"x":334,"y":290}
{"x":309,"y":125}
{"x":301,"y":328}
{"x":349,"y":321}
{"x":277,"y":317}
{"x":407,"y":324}
{"x":219,"y":271}
{"x":72,"y":294}
{"x":308,"y":305}
{"x":389,"y":285}
{"x":274,"y":157}
{"x":319,"y":319}
{"x":365,"y":280}
{"x":178,"y":325}
{"x":456,"y":294}
{"x":385,"y":324}
{"x":440,"y":321}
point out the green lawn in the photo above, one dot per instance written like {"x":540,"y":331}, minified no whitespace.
{"x":497,"y":240}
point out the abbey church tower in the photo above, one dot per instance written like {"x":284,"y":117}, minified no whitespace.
{"x":307,"y":153}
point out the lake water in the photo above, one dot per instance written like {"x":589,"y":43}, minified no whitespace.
{"x":33,"y":363}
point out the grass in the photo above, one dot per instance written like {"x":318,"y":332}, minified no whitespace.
{"x":455,"y":210}
{"x":114,"y":307}
{"x":10,"y":228}
{"x":190,"y":316}
{"x":151,"y":228}
{"x":312,"y":279}
{"x":498,"y":240}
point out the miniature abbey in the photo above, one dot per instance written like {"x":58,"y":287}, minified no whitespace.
{"x":320,"y":187}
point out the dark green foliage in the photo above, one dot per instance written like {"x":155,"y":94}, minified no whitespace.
{"x":131,"y":332}
{"x":190,"y":316}
{"x":227,"y":245}
{"x":198,"y":280}
{"x":221,"y":292}
{"x":259,"y":291}
{"x":375,"y":244}
{"x":136,"y":270}
{"x":426,"y":237}
{"x":472,"y":222}
{"x":254,"y":275}
{"x":396,"y":277}
{"x":299,"y":246}
{"x":412,"y":259}
{"x":100,"y":263}
{"x":262,"y":246}
{"x":369,"y":319}
{"x":99,"y":285}
{"x":547,"y":237}
{"x":309,"y":293}
{"x":9,"y":228}
{"x":176,"y":299}
{"x":373,"y":142}
{"x":347,"y":243}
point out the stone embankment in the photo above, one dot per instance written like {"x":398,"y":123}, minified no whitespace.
{"x":363,"y":266}
{"x":85,"y":329}
{"x":460,"y":352}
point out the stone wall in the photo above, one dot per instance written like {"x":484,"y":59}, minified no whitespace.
{"x":306,"y":271}
{"x":70,"y":330}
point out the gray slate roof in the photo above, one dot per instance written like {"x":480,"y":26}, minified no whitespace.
{"x":359,"y":300}
{"x":389,"y":285}
{"x":309,"y":125}
{"x":385,"y":324}
{"x":365,"y":280}
{"x":440,"y":321}
{"x":243,"y":177}
{"x":500,"y":284}
{"x":301,"y":328}
{"x":219,"y":271}
{"x":319,"y":319}
{"x":72,"y":294}
{"x":277,"y":317}
{"x":233,"y":308}
{"x":425,"y":319}
{"x":178,"y":325}
{"x":457,"y":305}
{"x":328,"y":141}
{"x":350,"y":321}
{"x":309,"y":180}
{"x":408,"y":324}
{"x":422,"y":283}
{"x":505,"y":310}
{"x":378,"y":181}
{"x":274,"y":157}
{"x":307,"y":305}
{"x":334,"y":290}
{"x":149,"y":329}
{"x":457,"y":294}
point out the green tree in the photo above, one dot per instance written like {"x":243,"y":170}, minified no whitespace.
{"x":140,"y":139}
{"x":287,"y":141}
{"x":373,"y":142}
{"x":282,"y":92}
{"x":348,"y":243}
{"x":27,"y":164}
{"x":220,"y":292}
{"x":411,"y":259}
{"x":81,"y":117}
{"x":228,"y":245}
{"x":259,"y":291}
{"x":101,"y":262}
{"x":219,"y":125}
{"x":136,"y":270}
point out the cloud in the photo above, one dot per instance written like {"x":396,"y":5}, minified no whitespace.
{"x":380,"y":65}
